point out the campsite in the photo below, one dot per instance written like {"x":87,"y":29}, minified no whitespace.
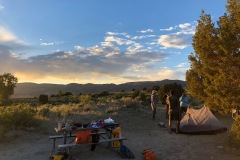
{"x":141,"y":132}
{"x":113,"y":80}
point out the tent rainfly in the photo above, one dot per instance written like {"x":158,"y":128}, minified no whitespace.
{"x":200,"y":121}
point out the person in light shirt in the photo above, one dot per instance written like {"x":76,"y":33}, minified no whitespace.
{"x":154,"y":103}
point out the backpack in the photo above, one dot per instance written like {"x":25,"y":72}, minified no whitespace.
{"x":125,"y":152}
{"x":148,"y":154}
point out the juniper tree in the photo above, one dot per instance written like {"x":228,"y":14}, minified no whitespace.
{"x":214,"y":74}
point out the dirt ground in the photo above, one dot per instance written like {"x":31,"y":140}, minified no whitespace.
{"x":141,"y":132}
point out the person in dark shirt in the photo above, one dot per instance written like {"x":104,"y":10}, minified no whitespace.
{"x":173,"y":104}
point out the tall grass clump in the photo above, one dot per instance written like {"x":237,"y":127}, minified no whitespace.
{"x":129,"y":102}
{"x":43,"y":111}
{"x":85,"y":99}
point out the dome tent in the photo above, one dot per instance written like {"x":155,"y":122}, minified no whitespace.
{"x":200,"y":121}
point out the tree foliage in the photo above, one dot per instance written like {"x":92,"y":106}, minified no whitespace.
{"x":43,"y":99}
{"x":7,"y":84}
{"x":177,"y":88}
{"x":214,"y":74}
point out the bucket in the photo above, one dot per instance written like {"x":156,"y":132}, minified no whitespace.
{"x":116,"y":134}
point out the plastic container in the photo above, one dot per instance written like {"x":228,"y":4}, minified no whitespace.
{"x":60,"y":125}
{"x":116,"y":134}
{"x":58,"y":157}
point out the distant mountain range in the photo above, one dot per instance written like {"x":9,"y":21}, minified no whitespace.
{"x":30,"y":90}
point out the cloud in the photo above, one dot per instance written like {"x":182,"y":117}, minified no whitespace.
{"x":7,"y":36}
{"x":180,"y":39}
{"x":146,"y":31}
{"x":159,"y":74}
{"x":175,"y":41}
{"x":116,"y":42}
{"x":143,"y":37}
{"x":119,"y":58}
{"x":184,"y":25}
{"x":181,"y":65}
{"x":9,"y":40}
{"x":82,"y":64}
{"x":1,"y":7}
{"x":168,"y":29}
{"x":42,"y":43}
{"x":119,"y":41}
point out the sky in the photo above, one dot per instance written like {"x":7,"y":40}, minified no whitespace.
{"x":99,"y":41}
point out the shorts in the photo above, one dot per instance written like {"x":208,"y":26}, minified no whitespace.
{"x":175,"y":115}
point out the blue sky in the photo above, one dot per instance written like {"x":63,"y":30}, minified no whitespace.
{"x":99,"y":41}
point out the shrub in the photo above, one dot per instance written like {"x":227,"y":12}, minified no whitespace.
{"x":119,"y":95}
{"x":43,"y":99}
{"x":135,"y":94}
{"x":43,"y":111}
{"x":17,"y":116}
{"x":236,"y":127}
{"x":85,"y":99}
{"x":129,"y":102}
{"x":234,"y":136}
{"x":62,"y":111}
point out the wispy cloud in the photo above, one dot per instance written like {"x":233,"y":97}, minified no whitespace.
{"x":43,"y":43}
{"x":143,"y":37}
{"x":9,"y":39}
{"x":7,"y":36}
{"x":146,"y":31}
{"x":1,"y":7}
{"x":181,"y":65}
{"x":167,"y":29}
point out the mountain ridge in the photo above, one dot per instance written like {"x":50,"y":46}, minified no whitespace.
{"x":30,"y":89}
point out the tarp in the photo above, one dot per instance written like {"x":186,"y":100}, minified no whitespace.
{"x":200,"y":121}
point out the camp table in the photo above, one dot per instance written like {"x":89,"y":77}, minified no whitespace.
{"x":70,"y":132}
{"x":85,"y":133}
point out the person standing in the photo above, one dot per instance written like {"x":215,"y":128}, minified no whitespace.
{"x":165,"y":102}
{"x":183,"y":104}
{"x":153,"y":103}
{"x":173,"y":104}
